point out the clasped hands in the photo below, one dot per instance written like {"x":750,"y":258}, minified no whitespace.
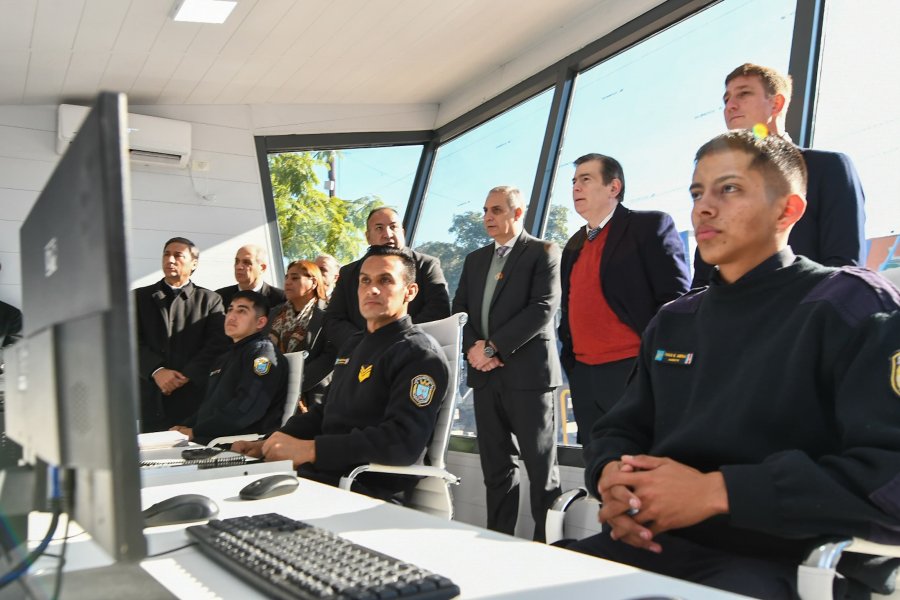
{"x":479,"y":361}
{"x":279,"y":446}
{"x":169,"y":380}
{"x":647,"y":495}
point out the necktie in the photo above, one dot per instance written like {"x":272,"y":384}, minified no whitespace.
{"x":502,"y":250}
{"x":592,"y":233}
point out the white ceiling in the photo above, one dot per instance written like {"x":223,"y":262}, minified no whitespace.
{"x":287,"y":51}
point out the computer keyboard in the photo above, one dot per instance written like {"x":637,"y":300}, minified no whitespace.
{"x":284,"y":558}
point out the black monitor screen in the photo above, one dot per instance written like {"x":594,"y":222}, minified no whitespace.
{"x":79,"y":320}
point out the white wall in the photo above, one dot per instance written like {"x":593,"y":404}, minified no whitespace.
{"x":219,"y":210}
{"x":166,"y":202}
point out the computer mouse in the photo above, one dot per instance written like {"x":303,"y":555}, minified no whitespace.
{"x":185,"y":508}
{"x":267,"y":487}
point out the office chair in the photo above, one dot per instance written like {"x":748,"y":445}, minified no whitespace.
{"x":574,"y":516}
{"x":432,"y":493}
{"x":295,"y":361}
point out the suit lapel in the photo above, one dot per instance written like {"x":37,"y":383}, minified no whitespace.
{"x":617,"y":226}
{"x":159,"y":299}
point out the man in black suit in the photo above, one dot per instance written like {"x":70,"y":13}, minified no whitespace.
{"x":616,"y":273}
{"x":832,"y":232}
{"x":180,"y":332}
{"x":383,"y":228}
{"x":250,"y":263}
{"x":510,"y":289}
{"x":10,"y":323}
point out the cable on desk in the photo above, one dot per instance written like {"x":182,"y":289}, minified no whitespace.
{"x":26,"y":563}
{"x":23,"y":566}
{"x":170,"y":551}
{"x":62,"y":561}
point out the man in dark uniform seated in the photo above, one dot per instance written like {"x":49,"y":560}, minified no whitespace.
{"x":763,"y":412}
{"x":248,"y":384}
{"x":389,"y":383}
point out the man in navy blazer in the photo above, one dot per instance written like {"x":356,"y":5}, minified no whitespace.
{"x":510,"y":290}
{"x":832,"y":232}
{"x":616,"y":273}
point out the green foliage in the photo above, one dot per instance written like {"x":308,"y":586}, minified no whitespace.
{"x":310,"y":222}
{"x":469,"y":234}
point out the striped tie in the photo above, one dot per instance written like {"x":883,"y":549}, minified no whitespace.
{"x":501,"y":251}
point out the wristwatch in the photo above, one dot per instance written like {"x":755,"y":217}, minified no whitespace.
{"x":489,"y":350}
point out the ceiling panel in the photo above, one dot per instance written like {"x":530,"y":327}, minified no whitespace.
{"x":273,"y":51}
{"x":17,"y":24}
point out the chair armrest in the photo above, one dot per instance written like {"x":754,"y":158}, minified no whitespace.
{"x":556,"y":515}
{"x":862,"y":546}
{"x":228,"y":439}
{"x":412,"y":470}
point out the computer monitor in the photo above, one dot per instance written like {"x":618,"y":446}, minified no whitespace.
{"x":71,"y":382}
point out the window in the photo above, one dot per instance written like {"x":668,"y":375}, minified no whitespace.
{"x":652,"y":106}
{"x":503,"y":151}
{"x":855,"y":112}
{"x":322,"y":198}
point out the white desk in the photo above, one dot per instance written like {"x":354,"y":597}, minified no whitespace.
{"x":484,"y":564}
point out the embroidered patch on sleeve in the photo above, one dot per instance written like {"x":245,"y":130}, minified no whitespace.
{"x":895,"y":372}
{"x":421,"y":390}
{"x":261,"y":365}
{"x":365,"y":371}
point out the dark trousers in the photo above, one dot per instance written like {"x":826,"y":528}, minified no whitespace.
{"x":595,"y":390}
{"x":528,"y":414}
{"x":686,"y":560}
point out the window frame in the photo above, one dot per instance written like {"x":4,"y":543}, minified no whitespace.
{"x":804,"y":64}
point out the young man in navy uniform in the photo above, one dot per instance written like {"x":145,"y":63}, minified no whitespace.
{"x":248,"y":384}
{"x":389,"y":383}
{"x":763,"y":412}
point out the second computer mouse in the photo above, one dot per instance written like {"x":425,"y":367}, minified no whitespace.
{"x":185,"y":508}
{"x":267,"y":487}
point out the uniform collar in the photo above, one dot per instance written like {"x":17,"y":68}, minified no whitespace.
{"x":779,"y":260}
{"x":401,"y":324}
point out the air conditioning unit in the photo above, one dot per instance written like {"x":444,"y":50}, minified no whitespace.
{"x":152,"y":141}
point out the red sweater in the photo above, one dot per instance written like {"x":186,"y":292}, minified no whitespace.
{"x":598,"y":336}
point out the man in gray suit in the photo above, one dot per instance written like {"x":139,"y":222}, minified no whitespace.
{"x":511,"y":291}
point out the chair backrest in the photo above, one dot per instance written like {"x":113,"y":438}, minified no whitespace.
{"x":295,"y":362}
{"x":448,"y":334}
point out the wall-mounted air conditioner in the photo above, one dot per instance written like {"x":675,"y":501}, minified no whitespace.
{"x":152,"y":140}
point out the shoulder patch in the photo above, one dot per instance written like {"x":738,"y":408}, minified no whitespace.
{"x":856,"y":293}
{"x":261,"y":365}
{"x":895,"y":372}
{"x":421,"y":390}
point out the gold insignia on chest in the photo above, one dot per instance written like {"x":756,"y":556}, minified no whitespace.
{"x":498,"y":276}
{"x":365,"y":371}
{"x":895,"y":372}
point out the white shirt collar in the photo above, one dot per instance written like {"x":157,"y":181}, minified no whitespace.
{"x":587,"y":226}
{"x":510,"y":243}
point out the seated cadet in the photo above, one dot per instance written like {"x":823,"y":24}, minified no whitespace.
{"x":389,"y":383}
{"x":248,"y":384}
{"x":763,"y":413}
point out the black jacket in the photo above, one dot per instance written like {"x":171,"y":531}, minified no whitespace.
{"x":186,"y":337}
{"x":245,"y":393}
{"x":273,"y":294}
{"x":521,"y":316}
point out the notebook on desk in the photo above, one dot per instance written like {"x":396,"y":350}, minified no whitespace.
{"x":174,"y":457}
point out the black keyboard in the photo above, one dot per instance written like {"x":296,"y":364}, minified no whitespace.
{"x":284,"y":558}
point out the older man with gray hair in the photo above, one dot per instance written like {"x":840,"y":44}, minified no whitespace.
{"x":510,"y":289}
{"x":250,"y":263}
